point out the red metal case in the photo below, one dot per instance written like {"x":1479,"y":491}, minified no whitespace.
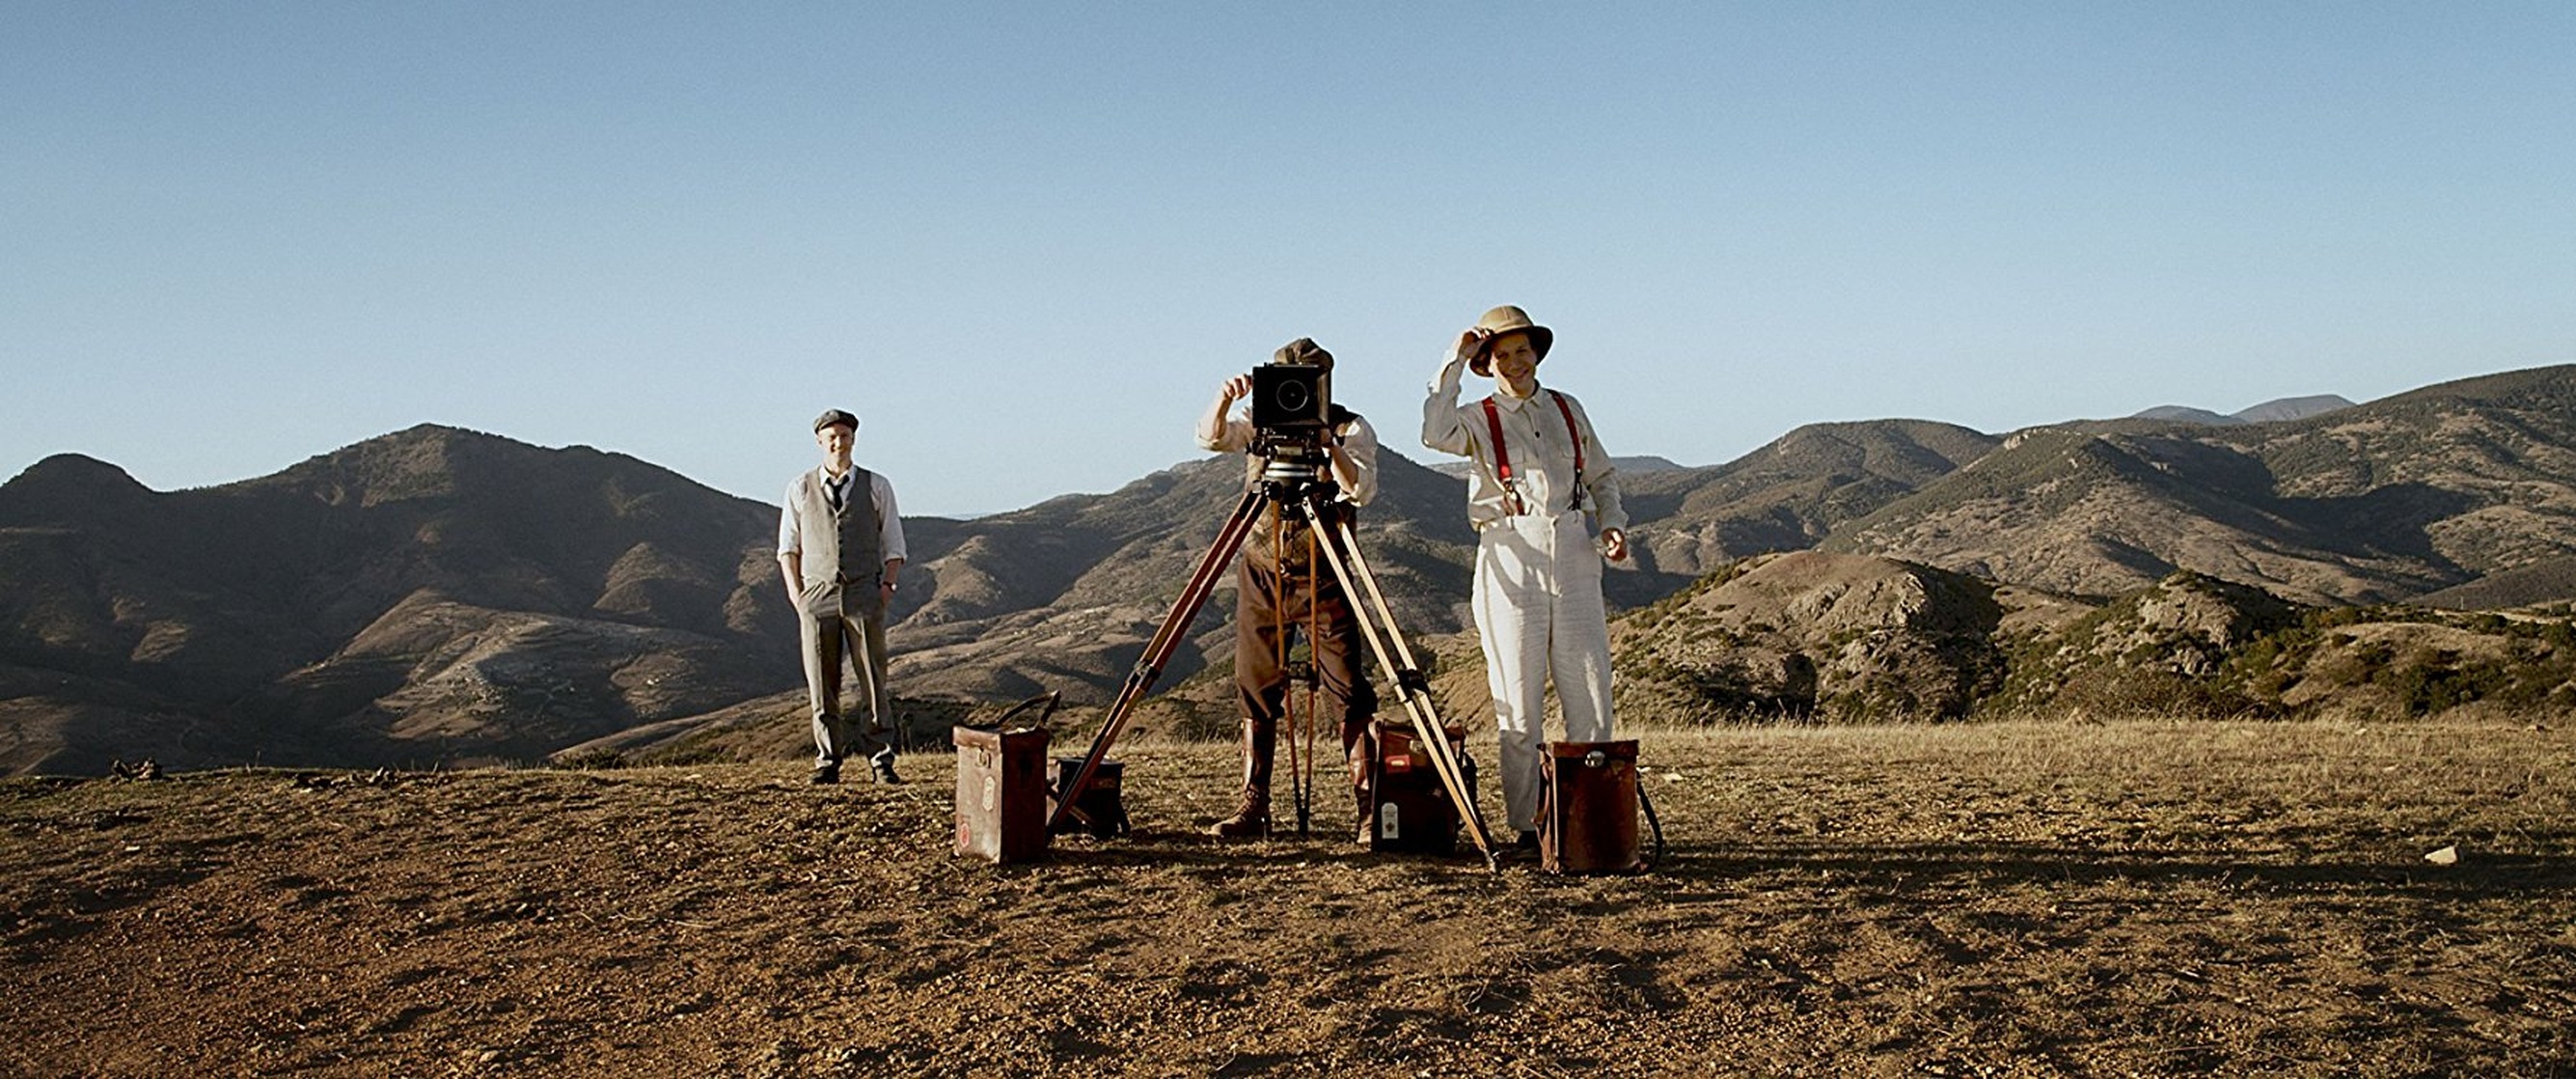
{"x":1409,"y":809}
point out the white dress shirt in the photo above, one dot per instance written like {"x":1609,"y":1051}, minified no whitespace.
{"x":1540,"y":447}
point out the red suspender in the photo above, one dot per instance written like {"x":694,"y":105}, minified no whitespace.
{"x":1567,"y":411}
{"x":1503,"y":457}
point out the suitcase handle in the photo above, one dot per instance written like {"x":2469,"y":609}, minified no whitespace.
{"x":1004,"y":720}
{"x":1654,"y":822}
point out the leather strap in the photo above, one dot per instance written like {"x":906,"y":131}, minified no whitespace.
{"x":1567,"y":411}
{"x":1502,"y":459}
{"x":1503,"y":456}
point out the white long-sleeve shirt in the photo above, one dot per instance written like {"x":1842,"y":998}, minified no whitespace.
{"x":890,"y":523}
{"x":1540,"y":447}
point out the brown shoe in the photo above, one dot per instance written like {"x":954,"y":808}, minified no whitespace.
{"x":1252,"y":821}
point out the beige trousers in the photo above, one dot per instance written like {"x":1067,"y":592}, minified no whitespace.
{"x":830,"y":635}
{"x":1538,"y":607}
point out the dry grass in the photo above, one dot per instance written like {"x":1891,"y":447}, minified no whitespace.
{"x":2027,"y":899}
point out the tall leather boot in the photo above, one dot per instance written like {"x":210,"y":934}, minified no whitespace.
{"x":1252,"y":819}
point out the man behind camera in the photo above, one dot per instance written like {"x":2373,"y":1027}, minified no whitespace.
{"x":1283,"y":581}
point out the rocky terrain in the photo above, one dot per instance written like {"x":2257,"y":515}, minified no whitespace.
{"x":1817,"y":637}
{"x":1802,"y":634}
{"x":2375,"y":503}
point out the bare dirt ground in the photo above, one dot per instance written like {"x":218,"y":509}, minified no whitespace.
{"x":2134,"y":898}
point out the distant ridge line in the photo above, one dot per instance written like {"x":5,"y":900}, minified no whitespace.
{"x":2278,"y":410}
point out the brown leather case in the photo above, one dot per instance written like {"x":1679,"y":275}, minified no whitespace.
{"x":1001,"y":793}
{"x":1588,"y":808}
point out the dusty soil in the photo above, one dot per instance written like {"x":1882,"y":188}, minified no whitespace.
{"x":2132,"y":898}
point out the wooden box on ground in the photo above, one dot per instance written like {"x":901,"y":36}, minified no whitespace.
{"x":1001,"y":793}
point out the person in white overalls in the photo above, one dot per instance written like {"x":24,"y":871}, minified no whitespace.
{"x":1540,"y":485}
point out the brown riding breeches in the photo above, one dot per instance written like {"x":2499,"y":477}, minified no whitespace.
{"x":1310,"y":603}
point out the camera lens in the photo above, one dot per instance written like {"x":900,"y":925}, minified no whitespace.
{"x":1293,"y":397}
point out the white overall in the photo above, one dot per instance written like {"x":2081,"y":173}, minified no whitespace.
{"x":1538,"y":574}
{"x":1538,"y":606}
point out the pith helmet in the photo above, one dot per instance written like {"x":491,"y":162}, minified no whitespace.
{"x":1503,"y":320}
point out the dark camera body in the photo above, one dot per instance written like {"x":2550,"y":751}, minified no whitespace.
{"x":1292,"y":401}
{"x":1292,"y":421}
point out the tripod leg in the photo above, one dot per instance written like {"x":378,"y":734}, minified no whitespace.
{"x":1407,"y":678}
{"x":1309,"y":720}
{"x":1167,"y":638}
{"x":1283,"y":585}
{"x":1359,"y":562}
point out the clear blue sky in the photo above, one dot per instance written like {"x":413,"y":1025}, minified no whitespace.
{"x":1026,"y":241}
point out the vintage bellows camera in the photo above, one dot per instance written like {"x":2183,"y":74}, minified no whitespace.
{"x":1292,"y":407}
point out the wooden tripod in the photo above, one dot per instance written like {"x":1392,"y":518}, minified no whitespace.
{"x":1350,"y":570}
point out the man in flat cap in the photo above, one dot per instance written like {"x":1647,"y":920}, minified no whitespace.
{"x":1283,"y":581}
{"x":840,"y":546}
{"x":1541,"y":482}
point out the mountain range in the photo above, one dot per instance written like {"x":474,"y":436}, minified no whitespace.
{"x":437,"y":595}
{"x":2375,"y":503}
{"x":2286,"y":408}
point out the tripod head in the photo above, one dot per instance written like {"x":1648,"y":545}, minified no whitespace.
{"x":1294,"y":470}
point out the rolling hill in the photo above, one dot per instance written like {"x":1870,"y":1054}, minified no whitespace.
{"x":2286,"y":408}
{"x":434,"y":595}
{"x":1791,"y":493}
{"x":439,"y":596}
{"x":2374,"y":503}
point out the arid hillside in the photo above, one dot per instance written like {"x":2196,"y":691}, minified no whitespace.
{"x":1792,"y":493}
{"x":442,"y":596}
{"x":1064,"y":595}
{"x":2375,"y":503}
{"x":437,"y":596}
{"x":432,"y":595}
{"x":1812,"y":637}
